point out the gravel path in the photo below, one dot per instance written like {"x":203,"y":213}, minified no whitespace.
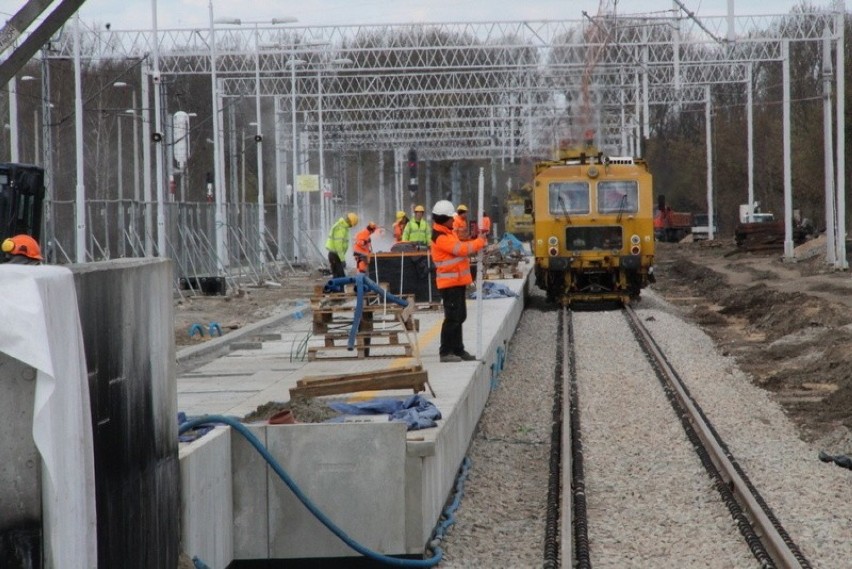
{"x":633,"y":472}
{"x":501,"y":520}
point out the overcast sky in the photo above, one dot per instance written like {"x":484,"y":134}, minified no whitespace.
{"x":136,"y":14}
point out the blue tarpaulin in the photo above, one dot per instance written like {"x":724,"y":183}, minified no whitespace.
{"x":509,"y":243}
{"x":494,"y":290}
{"x":416,"y":411}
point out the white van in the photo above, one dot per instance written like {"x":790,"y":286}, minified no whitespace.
{"x":701,"y":228}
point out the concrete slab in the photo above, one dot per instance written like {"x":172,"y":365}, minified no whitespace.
{"x":363,"y":470}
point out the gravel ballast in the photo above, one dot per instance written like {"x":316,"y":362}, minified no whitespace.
{"x":650,"y":502}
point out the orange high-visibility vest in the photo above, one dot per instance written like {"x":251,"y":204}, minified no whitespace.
{"x":450,"y":255}
{"x":460,"y":227}
{"x":486,"y":225}
{"x":398,"y":228}
{"x":362,"y":244}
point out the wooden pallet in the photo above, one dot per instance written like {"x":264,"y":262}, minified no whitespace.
{"x":359,"y":352}
{"x":414,"y":378}
{"x":364,"y":338}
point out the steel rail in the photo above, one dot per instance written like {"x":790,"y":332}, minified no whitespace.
{"x":776,"y":546}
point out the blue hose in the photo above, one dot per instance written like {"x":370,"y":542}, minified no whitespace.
{"x":449,"y":511}
{"x":361,"y":282}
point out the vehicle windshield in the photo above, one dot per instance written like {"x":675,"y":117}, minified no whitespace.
{"x":568,"y":197}
{"x":618,"y":197}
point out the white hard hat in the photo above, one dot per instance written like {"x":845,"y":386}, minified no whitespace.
{"x":444,"y":207}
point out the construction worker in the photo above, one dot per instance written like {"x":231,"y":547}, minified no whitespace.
{"x":338,"y":243}
{"x":363,"y":247}
{"x":452,"y":276}
{"x":399,"y":226}
{"x":485,"y":226}
{"x":22,"y":250}
{"x":417,"y":230}
{"x":460,"y":226}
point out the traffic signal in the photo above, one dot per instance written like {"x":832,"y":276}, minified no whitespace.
{"x":412,"y":171}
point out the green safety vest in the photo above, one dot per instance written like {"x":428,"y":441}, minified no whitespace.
{"x":338,"y":238}
{"x":417,"y":232}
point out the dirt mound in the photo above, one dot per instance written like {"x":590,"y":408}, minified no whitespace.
{"x":790,"y":333}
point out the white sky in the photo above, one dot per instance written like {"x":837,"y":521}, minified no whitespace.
{"x":137,"y":14}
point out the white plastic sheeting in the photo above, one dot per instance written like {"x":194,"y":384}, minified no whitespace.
{"x":41,"y":328}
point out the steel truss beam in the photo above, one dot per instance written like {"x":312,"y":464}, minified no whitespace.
{"x":460,"y":89}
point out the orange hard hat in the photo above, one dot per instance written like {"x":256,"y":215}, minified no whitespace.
{"x":371,"y":226}
{"x":419,"y":209}
{"x":22,"y":245}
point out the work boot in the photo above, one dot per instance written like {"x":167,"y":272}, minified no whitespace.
{"x":450,"y":358}
{"x":466,"y":356}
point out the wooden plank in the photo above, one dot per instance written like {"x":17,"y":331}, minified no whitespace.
{"x":319,"y":379}
{"x":415,"y":381}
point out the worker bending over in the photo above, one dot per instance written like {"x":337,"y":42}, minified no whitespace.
{"x":363,"y":247}
{"x":338,"y":243}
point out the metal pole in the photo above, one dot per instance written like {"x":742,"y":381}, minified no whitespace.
{"x":119,"y":171}
{"x":158,"y":128}
{"x":323,"y":228}
{"x":80,"y":201}
{"x":221,"y":250}
{"x":47,"y":161}
{"x":828,"y":152}
{"x":750,"y":132}
{"x":294,"y":203}
{"x":13,"y":119}
{"x":708,"y":133}
{"x":280,"y":178}
{"x":840,"y":19}
{"x":146,"y":162}
{"x":35,"y":136}
{"x":479,"y":265}
{"x":788,"y":174}
{"x":261,"y":220}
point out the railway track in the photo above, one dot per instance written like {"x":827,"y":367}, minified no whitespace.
{"x":648,"y":479}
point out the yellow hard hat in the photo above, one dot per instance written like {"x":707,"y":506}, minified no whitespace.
{"x":462,"y":208}
{"x":420,"y":209}
{"x":399,"y":215}
{"x":352,"y":219}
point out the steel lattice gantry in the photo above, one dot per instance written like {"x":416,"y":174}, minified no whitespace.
{"x":476,"y":90}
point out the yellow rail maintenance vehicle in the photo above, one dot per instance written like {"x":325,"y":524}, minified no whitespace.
{"x":518,"y":213}
{"x":594,"y":227}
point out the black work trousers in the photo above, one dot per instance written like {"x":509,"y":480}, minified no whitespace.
{"x":455,"y":313}
{"x":337,"y":266}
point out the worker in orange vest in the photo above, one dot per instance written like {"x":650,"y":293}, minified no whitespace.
{"x":399,"y":226}
{"x":485,"y":226}
{"x":452,"y":276}
{"x":460,"y":226}
{"x":363,"y":248}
